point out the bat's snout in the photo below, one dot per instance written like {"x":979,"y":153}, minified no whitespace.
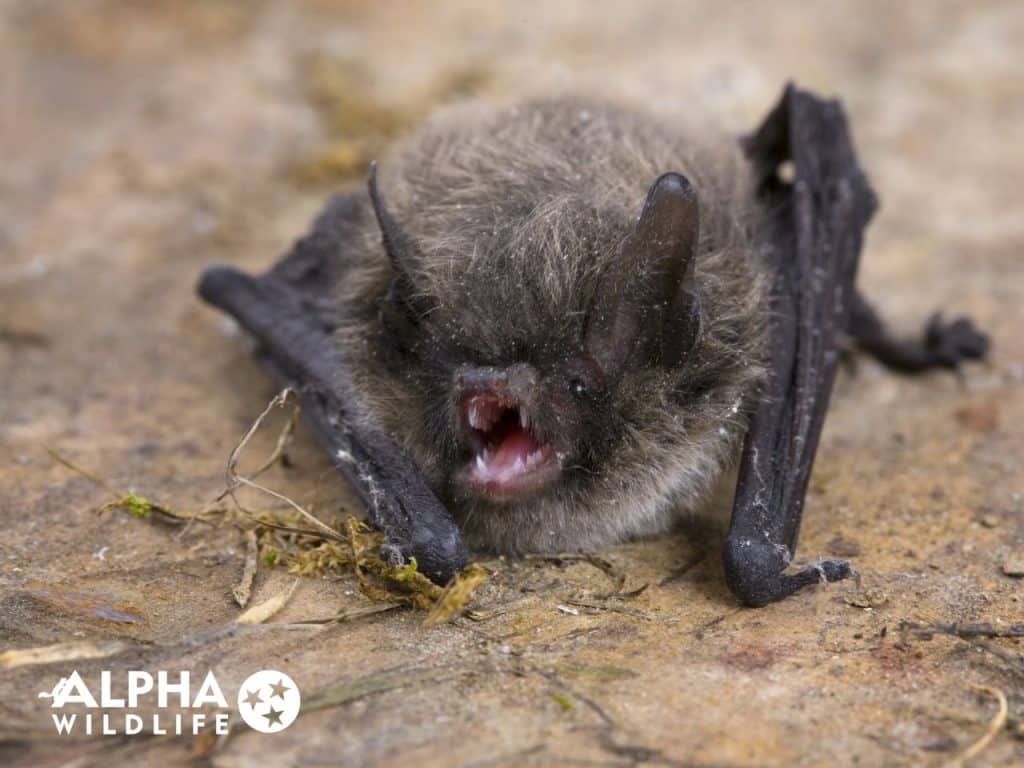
{"x":507,"y":458}
{"x":516,"y":382}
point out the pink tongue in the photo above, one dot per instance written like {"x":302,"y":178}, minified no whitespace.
{"x":518,"y":444}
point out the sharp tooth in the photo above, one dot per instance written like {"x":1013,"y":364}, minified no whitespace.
{"x":481,"y":463}
{"x":523,"y":421}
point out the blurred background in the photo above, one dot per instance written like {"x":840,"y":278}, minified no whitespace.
{"x":142,"y":141}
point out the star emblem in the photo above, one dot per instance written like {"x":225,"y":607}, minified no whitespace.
{"x":273,"y":716}
{"x":279,"y":689}
{"x":252,"y":698}
{"x":268,"y":700}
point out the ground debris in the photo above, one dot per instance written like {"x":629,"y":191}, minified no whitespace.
{"x":301,"y":542}
{"x":867,"y":598}
{"x":135,"y":505}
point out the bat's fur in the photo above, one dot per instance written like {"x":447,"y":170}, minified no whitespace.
{"x":516,"y":215}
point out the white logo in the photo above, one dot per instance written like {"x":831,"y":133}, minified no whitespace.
{"x":193,"y":711}
{"x":268,"y":701}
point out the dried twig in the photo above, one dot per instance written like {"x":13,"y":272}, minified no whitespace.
{"x":234,"y":479}
{"x":965,"y":631}
{"x":351,"y":614}
{"x":243,"y":590}
{"x":599,"y":607}
{"x":284,"y":439}
{"x":617,"y":577}
{"x":682,"y":570}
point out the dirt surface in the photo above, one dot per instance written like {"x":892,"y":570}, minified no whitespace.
{"x":143,"y":141}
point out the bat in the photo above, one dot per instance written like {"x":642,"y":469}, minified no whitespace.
{"x":559,"y":325}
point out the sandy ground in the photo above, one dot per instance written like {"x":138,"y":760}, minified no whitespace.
{"x":144,"y":141}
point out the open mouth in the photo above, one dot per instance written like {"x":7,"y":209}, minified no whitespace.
{"x":509,"y":459}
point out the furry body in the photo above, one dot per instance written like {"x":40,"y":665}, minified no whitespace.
{"x":513,"y":356}
{"x":517,"y":215}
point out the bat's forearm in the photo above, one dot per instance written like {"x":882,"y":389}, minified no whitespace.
{"x":299,"y":353}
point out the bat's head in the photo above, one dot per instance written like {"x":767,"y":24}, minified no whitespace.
{"x":531,"y":394}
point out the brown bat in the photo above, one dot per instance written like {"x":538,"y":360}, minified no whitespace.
{"x":557,"y":326}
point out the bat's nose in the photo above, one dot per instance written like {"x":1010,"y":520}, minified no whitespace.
{"x":516,"y":382}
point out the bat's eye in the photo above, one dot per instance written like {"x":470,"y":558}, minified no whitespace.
{"x":577,"y":388}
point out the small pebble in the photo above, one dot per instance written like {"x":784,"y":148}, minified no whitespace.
{"x":841,"y":546}
{"x":1014,"y":566}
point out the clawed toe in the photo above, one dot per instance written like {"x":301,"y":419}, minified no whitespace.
{"x":953,"y":343}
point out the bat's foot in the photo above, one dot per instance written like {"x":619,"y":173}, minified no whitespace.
{"x":754,"y":573}
{"x":949,"y":345}
{"x":942,"y":345}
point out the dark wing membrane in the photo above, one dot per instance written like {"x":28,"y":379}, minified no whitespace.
{"x":291,"y":313}
{"x":818,"y":219}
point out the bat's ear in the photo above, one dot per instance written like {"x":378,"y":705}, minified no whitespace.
{"x":646,"y":309}
{"x":400,"y":309}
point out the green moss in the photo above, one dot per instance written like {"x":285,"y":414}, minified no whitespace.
{"x":563,"y":701}
{"x":137,"y":506}
{"x":599,"y":673}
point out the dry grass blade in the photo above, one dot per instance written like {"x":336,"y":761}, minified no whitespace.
{"x":268,"y":608}
{"x":114,"y":491}
{"x":130,"y":502}
{"x":48,"y":654}
{"x":456,"y":595}
{"x":994,"y":727}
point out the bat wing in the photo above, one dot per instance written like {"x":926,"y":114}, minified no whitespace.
{"x":291,"y":314}
{"x":820,"y":203}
